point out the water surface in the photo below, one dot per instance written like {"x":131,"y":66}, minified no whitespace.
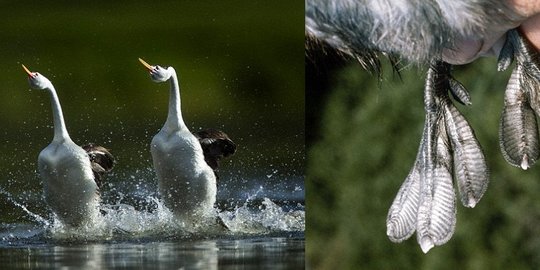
{"x":267,"y":251}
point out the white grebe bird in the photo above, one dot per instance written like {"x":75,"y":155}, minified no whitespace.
{"x":186,"y":183}
{"x":71,"y":175}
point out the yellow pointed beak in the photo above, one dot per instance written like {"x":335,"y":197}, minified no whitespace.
{"x":27,"y":71}
{"x":148,"y":66}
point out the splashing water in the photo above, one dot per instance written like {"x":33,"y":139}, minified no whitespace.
{"x":122,"y":221}
{"x":268,"y":217}
{"x":271,"y":217}
{"x":36,"y":217}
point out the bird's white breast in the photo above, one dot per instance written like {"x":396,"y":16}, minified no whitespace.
{"x":68,"y":181}
{"x":186,"y":183}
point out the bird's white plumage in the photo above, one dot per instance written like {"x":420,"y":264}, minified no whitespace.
{"x":64,"y":167}
{"x":186,"y":183}
{"x":68,"y":182}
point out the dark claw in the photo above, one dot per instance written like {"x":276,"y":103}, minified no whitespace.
{"x":459,"y":92}
{"x":506,"y":56}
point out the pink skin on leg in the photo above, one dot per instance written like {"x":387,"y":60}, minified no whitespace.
{"x":531,"y":29}
{"x":467,"y":50}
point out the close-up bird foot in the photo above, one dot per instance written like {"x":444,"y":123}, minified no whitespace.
{"x":448,"y":150}
{"x":518,"y":130}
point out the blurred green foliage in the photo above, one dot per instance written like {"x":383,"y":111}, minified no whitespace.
{"x":240,"y":65}
{"x":367,"y":143}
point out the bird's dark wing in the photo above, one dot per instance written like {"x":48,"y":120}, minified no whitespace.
{"x":216,"y":145}
{"x":101,"y":160}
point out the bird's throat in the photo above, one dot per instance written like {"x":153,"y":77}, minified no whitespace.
{"x":174,"y":117}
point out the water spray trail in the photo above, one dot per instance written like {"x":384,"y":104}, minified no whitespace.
{"x":36,"y":217}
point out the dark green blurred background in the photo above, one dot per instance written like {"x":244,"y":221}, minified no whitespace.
{"x":363,"y":136}
{"x":240,"y":65}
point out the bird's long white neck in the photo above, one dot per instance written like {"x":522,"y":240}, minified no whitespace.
{"x":60,"y":130}
{"x":174,"y":118}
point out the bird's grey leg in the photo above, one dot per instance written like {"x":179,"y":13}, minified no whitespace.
{"x":468,"y":160}
{"x":469,"y":163}
{"x":437,"y":209}
{"x":448,"y":146}
{"x":402,"y":216}
{"x":518,"y":129}
{"x":425,"y":201}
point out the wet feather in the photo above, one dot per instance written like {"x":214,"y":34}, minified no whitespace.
{"x":416,"y":30}
{"x":216,"y":145}
{"x":101,"y":161}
